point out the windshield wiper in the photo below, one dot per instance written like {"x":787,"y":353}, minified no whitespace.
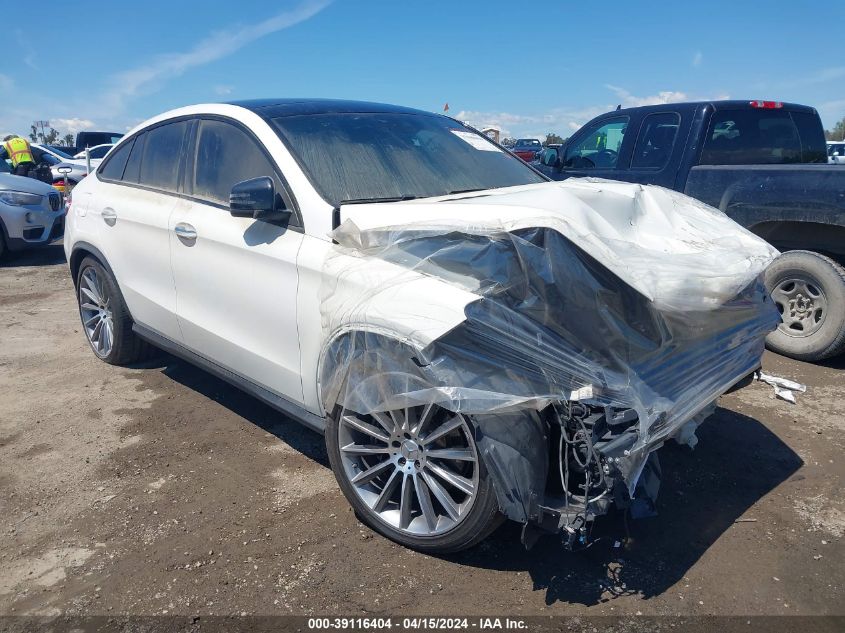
{"x":449,"y":193}
{"x":367,"y":200}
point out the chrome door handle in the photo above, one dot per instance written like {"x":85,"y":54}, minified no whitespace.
{"x":185,"y":232}
{"x":109,"y":216}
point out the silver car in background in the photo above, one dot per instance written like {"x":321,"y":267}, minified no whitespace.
{"x":32,"y":213}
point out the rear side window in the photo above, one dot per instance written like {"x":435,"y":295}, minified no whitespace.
{"x":113,"y":168}
{"x":133,"y":165}
{"x":226,"y":155}
{"x":160,"y":162}
{"x":656,"y":140}
{"x":762,"y":137}
{"x":811,"y":133}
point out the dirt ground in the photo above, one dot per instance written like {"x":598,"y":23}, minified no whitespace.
{"x":161,"y":489}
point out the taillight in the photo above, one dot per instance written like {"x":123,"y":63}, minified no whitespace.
{"x":767,"y":105}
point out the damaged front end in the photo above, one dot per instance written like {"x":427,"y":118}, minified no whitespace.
{"x":589,"y":339}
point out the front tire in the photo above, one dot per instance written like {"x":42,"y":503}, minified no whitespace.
{"x":105,"y":317}
{"x":809,"y":291}
{"x":415,"y":476}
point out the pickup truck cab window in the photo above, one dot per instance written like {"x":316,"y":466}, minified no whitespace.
{"x":598,"y":146}
{"x":752,"y":137}
{"x":656,"y":140}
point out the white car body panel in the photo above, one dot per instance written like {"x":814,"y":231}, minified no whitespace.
{"x":137,"y":246}
{"x":236,"y":294}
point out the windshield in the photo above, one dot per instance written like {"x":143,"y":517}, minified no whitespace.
{"x":531,"y":143}
{"x":373,"y":156}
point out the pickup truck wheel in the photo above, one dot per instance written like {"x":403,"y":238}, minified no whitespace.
{"x":414,"y":475}
{"x":809,"y":291}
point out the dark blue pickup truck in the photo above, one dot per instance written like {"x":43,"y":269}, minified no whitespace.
{"x":764,"y":163}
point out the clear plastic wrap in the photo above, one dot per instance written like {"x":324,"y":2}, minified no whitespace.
{"x":502,"y":303}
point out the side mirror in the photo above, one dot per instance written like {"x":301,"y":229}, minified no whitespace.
{"x":256,"y":198}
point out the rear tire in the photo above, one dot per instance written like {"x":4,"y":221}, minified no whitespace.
{"x":105,"y":318}
{"x":809,"y":291}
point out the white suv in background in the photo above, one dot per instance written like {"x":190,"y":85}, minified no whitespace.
{"x":474,"y":341}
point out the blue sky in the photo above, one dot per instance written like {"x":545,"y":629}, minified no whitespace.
{"x":527,"y":67}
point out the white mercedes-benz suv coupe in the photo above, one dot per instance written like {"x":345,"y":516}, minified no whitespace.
{"x":474,"y":341}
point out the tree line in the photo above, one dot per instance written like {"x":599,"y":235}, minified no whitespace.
{"x":50,"y":137}
{"x":837,"y":133}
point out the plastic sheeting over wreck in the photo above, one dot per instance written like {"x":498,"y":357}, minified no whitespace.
{"x":499,"y":302}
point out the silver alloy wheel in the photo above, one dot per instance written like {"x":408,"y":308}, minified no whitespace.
{"x":95,"y":307}
{"x":802,"y":305}
{"x":416,"y":469}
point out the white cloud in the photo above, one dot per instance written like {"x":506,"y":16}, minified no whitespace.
{"x":697,"y":59}
{"x":221,"y":89}
{"x":831,"y":112}
{"x":6,"y":82}
{"x":631,"y":101}
{"x":557,"y":120}
{"x":149,"y":77}
{"x":72,"y":125}
{"x":566,"y":120}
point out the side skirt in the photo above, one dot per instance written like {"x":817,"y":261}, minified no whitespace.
{"x":281,"y":404}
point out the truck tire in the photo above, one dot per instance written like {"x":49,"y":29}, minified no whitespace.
{"x":809,"y":291}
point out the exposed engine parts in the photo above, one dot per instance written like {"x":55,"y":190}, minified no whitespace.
{"x":589,"y":444}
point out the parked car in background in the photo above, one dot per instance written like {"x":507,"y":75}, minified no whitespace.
{"x":422,"y":317}
{"x":59,"y":162}
{"x":836,"y":152}
{"x":54,"y":158}
{"x":527,"y":148}
{"x":92,"y":139}
{"x":70,"y":150}
{"x":31,"y":213}
{"x":97,"y":152}
{"x":761,"y":162}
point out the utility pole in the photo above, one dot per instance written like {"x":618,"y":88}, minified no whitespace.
{"x":42,"y":125}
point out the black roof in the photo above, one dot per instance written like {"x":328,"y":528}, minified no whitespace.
{"x":726,"y":104}
{"x":272,"y":108}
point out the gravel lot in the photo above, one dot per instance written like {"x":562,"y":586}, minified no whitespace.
{"x":160,"y":489}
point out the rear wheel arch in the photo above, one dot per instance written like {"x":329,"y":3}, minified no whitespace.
{"x":791,"y":235}
{"x":80,"y":251}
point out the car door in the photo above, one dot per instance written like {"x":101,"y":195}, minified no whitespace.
{"x":139,"y":192}
{"x":596,"y":150}
{"x":236,"y":278}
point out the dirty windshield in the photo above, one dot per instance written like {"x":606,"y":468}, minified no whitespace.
{"x":389,"y":156}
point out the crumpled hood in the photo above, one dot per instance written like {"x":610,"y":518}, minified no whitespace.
{"x":678,"y":252}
